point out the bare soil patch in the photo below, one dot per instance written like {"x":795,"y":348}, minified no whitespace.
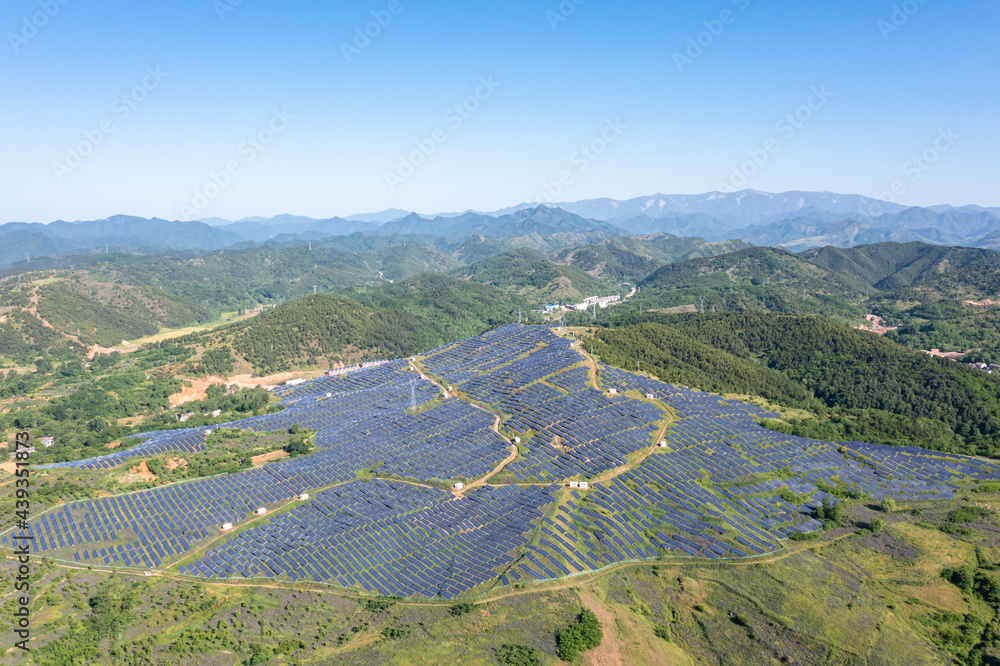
{"x":267,"y":457}
{"x":142,"y":471}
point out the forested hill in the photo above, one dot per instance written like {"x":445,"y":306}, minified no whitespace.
{"x":863,"y":387}
{"x":528,"y":272}
{"x":755,"y":279}
{"x":634,"y":258}
{"x":379,"y":322}
{"x":889,"y":266}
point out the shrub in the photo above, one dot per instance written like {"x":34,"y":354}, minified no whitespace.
{"x":392,"y":633}
{"x":799,"y":536}
{"x":461,"y":609}
{"x":519,"y":655}
{"x":582,"y":635}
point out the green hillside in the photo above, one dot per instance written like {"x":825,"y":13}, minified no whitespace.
{"x":953,"y":271}
{"x":529,"y":273}
{"x":633,"y":258}
{"x":228,"y":280}
{"x":861,"y":386}
{"x":106,"y":314}
{"x":23,"y":339}
{"x":755,"y":279}
{"x":385,"y":321}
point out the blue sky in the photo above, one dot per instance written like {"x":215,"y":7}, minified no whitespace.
{"x":227,"y":108}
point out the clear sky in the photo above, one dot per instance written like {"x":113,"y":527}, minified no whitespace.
{"x":148,"y":108}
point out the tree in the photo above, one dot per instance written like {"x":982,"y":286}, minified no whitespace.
{"x":299,"y":447}
{"x":582,"y":635}
{"x":877,"y":524}
{"x":888,"y":505}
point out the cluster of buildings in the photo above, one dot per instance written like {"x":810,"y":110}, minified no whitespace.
{"x":601,"y":302}
{"x":350,"y":368}
{"x":184,"y":417}
{"x":956,"y":356}
{"x":937,"y":353}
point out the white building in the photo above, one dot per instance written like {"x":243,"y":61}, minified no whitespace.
{"x":303,"y":497}
{"x":227,"y":526}
{"x":261,"y":511}
{"x":459,"y":485}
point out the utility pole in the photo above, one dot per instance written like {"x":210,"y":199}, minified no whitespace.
{"x":519,"y":316}
{"x":803,"y":293}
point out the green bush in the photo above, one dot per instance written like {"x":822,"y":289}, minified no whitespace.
{"x":461,"y":609}
{"x":582,"y":635}
{"x":519,"y":655}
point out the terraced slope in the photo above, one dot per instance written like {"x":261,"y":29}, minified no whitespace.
{"x":382,"y":516}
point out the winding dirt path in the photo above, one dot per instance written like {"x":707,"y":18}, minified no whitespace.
{"x":609,"y":652}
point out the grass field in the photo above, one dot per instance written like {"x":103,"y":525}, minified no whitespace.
{"x":171,"y":333}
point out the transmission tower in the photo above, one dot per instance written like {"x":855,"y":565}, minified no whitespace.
{"x":703,"y":303}
{"x":413,"y":395}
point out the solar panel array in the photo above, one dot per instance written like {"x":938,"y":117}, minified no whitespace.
{"x":387,"y":537}
{"x":710,"y":493}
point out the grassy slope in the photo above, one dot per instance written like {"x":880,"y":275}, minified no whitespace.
{"x":757,"y":279}
{"x":383,"y":321}
{"x":634,"y":258}
{"x":529,"y":273}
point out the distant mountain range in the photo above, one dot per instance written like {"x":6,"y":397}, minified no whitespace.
{"x":796,"y":221}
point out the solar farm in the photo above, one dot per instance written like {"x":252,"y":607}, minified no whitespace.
{"x":563,"y":470}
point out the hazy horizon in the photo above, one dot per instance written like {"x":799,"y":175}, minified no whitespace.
{"x":234,"y":109}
